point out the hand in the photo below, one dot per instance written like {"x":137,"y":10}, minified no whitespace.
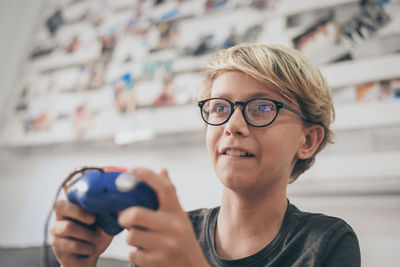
{"x":164,"y":237}
{"x":72,"y":237}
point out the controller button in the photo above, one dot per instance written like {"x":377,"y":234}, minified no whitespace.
{"x":81,"y":187}
{"x":125,"y":182}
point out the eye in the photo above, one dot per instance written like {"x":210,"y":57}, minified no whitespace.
{"x":218,"y":106}
{"x":221,"y":108}
{"x":262,"y":107}
{"x":265,"y":108}
{"x":260,"y":110}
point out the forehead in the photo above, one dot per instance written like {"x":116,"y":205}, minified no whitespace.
{"x":236,"y":85}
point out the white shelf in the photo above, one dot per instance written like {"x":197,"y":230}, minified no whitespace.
{"x":367,"y":115}
{"x":171,"y":120}
{"x":61,"y":60}
{"x":361,"y":71}
{"x":183,"y":64}
{"x":186,"y":119}
{"x":360,"y":166}
{"x":145,"y":124}
{"x":347,"y":73}
{"x":352,"y":173}
{"x":288,"y":8}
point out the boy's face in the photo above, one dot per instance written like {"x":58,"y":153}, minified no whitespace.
{"x":271,"y":150}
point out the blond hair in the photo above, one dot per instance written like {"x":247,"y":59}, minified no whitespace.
{"x":290,"y":74}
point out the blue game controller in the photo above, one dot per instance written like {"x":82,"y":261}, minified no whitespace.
{"x":105,"y":193}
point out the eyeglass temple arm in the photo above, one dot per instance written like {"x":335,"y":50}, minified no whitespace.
{"x":295,"y":112}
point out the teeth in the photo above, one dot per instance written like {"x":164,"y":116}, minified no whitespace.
{"x":237,"y":153}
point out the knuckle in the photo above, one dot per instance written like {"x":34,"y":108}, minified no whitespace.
{"x":137,"y":258}
{"x":81,"y":214}
{"x":59,"y":205}
{"x":134,"y":215}
{"x":57,"y":229}
{"x":130,"y":237}
{"x":74,"y":246}
{"x":170,"y":245}
{"x":174,"y":227}
{"x":168,"y":189}
{"x":54,"y":243}
{"x":129,"y":217}
{"x":52,"y":230}
{"x":67,"y":226}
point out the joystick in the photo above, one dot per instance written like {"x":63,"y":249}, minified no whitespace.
{"x":106,"y":191}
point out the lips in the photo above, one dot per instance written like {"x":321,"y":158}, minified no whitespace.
{"x":237,"y":152}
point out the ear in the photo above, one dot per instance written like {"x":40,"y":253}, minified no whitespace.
{"x":313,"y":136}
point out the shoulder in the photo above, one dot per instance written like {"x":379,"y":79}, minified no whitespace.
{"x":317,"y":223}
{"x":331,"y":238}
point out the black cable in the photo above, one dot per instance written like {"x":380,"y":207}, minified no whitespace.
{"x":45,"y":248}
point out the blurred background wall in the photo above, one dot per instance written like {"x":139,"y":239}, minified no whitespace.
{"x":357,"y":178}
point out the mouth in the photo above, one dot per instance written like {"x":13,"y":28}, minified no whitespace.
{"x":237,"y":153}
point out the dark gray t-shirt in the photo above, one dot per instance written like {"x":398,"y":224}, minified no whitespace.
{"x":305,"y":239}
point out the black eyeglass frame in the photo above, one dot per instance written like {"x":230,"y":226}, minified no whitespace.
{"x":279,"y":105}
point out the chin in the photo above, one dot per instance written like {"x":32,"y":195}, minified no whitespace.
{"x":246,"y":181}
{"x":236,"y":181}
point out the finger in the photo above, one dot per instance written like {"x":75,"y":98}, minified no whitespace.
{"x":144,"y":239}
{"x":101,"y":235}
{"x":140,"y":257}
{"x":72,"y":246}
{"x":71,"y":229}
{"x":137,"y":216}
{"x":67,"y":210}
{"x":165,"y":174}
{"x":65,"y":189}
{"x":161,"y":184}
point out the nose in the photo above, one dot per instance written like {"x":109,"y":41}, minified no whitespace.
{"x":237,"y":125}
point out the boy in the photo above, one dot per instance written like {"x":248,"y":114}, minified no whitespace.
{"x":268,"y":111}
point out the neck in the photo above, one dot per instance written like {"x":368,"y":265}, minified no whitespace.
{"x":247,"y":223}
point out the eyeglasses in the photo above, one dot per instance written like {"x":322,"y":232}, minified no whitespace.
{"x":259,"y":112}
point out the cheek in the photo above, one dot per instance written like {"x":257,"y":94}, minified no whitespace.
{"x":282,"y":145}
{"x":212,"y":141}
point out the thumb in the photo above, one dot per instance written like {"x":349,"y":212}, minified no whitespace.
{"x":161,"y":184}
{"x":164,"y":173}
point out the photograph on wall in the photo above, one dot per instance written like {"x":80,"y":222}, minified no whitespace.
{"x":134,"y":56}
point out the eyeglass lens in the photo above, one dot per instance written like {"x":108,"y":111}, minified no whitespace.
{"x":257,"y":112}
